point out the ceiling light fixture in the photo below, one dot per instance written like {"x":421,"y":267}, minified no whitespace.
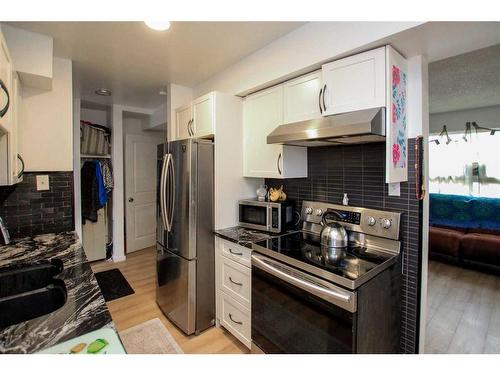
{"x":103,"y":92}
{"x":158,"y":25}
{"x":445,"y":132}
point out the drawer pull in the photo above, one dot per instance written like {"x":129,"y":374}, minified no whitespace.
{"x":234,"y":321}
{"x":234,"y":282}
{"x":235,"y":253}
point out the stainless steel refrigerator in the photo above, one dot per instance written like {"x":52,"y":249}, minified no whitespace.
{"x":185,"y":263}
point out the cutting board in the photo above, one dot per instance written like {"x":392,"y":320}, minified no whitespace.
{"x":104,"y":335}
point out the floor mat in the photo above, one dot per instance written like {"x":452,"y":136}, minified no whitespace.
{"x":113,"y":284}
{"x":150,"y":337}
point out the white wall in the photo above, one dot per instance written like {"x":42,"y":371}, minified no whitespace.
{"x":32,"y":56}
{"x":299,"y":51}
{"x":96,"y":116}
{"x":77,"y":191}
{"x":455,"y":121}
{"x":46,"y":123}
{"x":118,"y":191}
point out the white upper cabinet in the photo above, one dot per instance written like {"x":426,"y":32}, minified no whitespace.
{"x":5,"y":86}
{"x":183,"y":123}
{"x":354,"y":83}
{"x":196,"y":119}
{"x":302,"y":98}
{"x":262,"y":113}
{"x":203,"y":115}
{"x":10,"y":95}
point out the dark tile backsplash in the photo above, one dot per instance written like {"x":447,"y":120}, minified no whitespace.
{"x":28,"y":212}
{"x":358,"y":170}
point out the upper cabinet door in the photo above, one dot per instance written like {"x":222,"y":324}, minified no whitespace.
{"x":302,"y":98}
{"x":354,"y":83}
{"x":6,"y":85}
{"x":184,"y":121}
{"x":203,"y":115}
{"x":262,"y":113}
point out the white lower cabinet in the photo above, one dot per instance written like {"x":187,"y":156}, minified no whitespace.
{"x":233,"y":289}
{"x":236,"y":281}
{"x":236,"y":319}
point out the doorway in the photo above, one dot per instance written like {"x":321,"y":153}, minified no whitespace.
{"x":463,"y":285}
{"x":140,"y":190}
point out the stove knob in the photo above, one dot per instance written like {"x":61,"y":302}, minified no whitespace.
{"x":319,"y":212}
{"x":371,"y":221}
{"x":309,"y":210}
{"x":386,"y":223}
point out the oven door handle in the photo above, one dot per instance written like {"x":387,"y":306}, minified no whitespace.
{"x":330,"y":293}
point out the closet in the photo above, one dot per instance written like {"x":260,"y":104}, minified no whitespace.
{"x":96,"y":176}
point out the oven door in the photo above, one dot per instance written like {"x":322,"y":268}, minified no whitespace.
{"x":297,"y":313}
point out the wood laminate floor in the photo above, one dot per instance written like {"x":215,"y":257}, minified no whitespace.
{"x":463,"y":310}
{"x":139,"y":269}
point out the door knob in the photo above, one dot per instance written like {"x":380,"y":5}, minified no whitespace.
{"x":131,"y":199}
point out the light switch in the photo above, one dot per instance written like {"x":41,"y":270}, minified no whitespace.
{"x":42,"y":182}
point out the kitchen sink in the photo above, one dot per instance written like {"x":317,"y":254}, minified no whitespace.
{"x":26,"y":277}
{"x":29,"y":291}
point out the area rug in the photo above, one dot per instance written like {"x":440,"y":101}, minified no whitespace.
{"x":150,"y":337}
{"x":113,"y":284}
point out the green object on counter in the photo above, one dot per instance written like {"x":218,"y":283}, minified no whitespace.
{"x":100,"y":341}
{"x":96,"y":346}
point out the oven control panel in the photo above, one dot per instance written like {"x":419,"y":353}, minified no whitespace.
{"x":348,"y":217}
{"x":364,"y":220}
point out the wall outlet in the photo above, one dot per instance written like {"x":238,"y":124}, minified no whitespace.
{"x":395,"y":189}
{"x":42,"y":182}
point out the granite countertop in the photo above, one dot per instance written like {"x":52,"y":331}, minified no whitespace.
{"x":243,"y":236}
{"x":85,"y":309}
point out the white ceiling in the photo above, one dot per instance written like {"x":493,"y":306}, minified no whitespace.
{"x":470,"y":80}
{"x":135,"y":61}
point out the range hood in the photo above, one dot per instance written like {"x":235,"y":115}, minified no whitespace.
{"x":364,"y":126}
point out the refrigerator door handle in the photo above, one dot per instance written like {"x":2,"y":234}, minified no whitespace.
{"x":162,"y":190}
{"x":171,"y":194}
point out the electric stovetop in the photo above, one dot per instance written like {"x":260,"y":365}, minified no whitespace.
{"x":350,"y":267}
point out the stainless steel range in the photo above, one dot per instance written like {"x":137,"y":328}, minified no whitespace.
{"x":313,"y":296}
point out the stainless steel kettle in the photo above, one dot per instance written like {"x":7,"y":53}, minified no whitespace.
{"x":333,"y":235}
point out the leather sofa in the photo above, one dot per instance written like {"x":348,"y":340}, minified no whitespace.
{"x":465,"y":231}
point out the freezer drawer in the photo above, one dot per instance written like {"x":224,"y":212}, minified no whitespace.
{"x":176,"y":289}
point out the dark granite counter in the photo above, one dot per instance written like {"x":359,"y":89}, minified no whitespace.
{"x":85,"y":309}
{"x":243,"y":236}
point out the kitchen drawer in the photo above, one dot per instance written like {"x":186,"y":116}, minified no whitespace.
{"x":236,"y":319}
{"x":238,"y":253}
{"x":236,"y":281}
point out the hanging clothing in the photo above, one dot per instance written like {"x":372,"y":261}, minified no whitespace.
{"x":90,"y":192}
{"x":107,"y":175}
{"x":103,"y":196}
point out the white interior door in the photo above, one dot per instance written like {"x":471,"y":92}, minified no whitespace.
{"x":140,"y":191}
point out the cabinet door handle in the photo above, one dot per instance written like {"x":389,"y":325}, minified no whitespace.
{"x":319,"y":101}
{"x":20,"y":174}
{"x":235,"y":282}
{"x":191,"y":127}
{"x":4,"y":110}
{"x":324,"y":92}
{"x":278,"y":163}
{"x":234,"y":252}
{"x":234,"y":321}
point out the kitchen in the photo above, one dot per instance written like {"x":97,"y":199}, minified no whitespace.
{"x":294,"y":192}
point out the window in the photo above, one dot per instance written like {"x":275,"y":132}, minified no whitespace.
{"x":465,"y":168}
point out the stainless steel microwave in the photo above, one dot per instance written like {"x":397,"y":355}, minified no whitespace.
{"x":266,"y":216}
